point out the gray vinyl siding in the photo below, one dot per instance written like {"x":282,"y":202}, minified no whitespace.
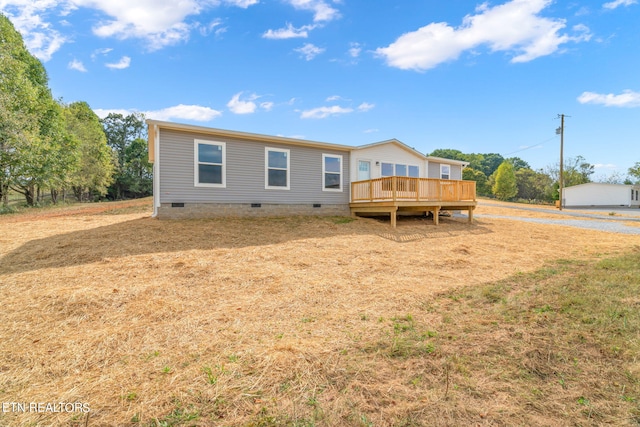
{"x":245,"y":173}
{"x":434,"y":170}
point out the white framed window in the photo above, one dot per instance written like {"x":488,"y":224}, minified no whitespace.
{"x":331,"y":172}
{"x":209,"y":163}
{"x":445,"y":172}
{"x":276,"y":168}
{"x":398,"y":169}
{"x":401,"y":170}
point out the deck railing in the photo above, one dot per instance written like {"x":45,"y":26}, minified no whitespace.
{"x":412,"y":189}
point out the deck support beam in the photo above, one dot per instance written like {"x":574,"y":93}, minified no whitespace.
{"x":393,"y":207}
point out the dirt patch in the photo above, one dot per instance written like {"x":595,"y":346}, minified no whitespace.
{"x":131,"y":314}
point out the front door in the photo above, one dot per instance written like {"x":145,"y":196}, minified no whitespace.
{"x":364,"y":170}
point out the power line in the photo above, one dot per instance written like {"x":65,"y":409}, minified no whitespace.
{"x":531,"y":146}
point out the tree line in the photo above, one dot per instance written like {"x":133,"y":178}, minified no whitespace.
{"x":514,"y":179}
{"x":56,"y":150}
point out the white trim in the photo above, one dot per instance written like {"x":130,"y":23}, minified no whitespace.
{"x":156,"y":170}
{"x":442,"y":166}
{"x":324,"y":171}
{"x":266,"y":168}
{"x":196,"y":163}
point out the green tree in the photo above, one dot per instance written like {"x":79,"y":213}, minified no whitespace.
{"x":449,"y":153}
{"x":576,"y":170}
{"x":482,"y":186}
{"x":490,"y":163}
{"x":18,"y":97}
{"x":96,"y":163}
{"x":505,"y":186}
{"x":518,"y":163}
{"x":534,"y":185}
{"x":126,"y":135}
{"x":37,"y":152}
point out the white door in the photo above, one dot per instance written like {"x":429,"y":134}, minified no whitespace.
{"x":364,"y":170}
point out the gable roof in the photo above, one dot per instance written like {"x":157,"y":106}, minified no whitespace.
{"x":395,"y":142}
{"x":447,"y":161}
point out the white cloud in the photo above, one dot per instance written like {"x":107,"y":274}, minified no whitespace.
{"x":238,"y":106}
{"x":627,"y":98}
{"x":247,"y":106}
{"x":159,"y":22}
{"x":102,"y":113}
{"x":604,"y":166}
{"x":355,"y":50}
{"x":365,"y":106}
{"x":186,"y":112}
{"x":289,"y":32}
{"x":124,"y":62}
{"x":77,"y":65}
{"x":214,"y":26}
{"x":39,"y":37}
{"x":513,"y":27}
{"x":324,"y":112}
{"x":616,"y":3}
{"x":101,"y":52}
{"x":333,"y":98}
{"x":309,"y":51}
{"x":242,"y":3}
{"x":181,"y":112}
{"x":321,"y":10}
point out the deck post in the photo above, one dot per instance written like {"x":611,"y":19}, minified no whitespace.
{"x":436,"y":215}
{"x":393,"y":217}
{"x":470,"y":214}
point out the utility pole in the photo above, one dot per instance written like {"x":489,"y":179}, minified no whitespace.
{"x":560,"y":131}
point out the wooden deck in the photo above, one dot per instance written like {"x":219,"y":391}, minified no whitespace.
{"x":395,"y":194}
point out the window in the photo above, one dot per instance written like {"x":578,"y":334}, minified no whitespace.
{"x":276,"y":173}
{"x":209,"y":163}
{"x":387,"y":169}
{"x":390,"y":169}
{"x":445,"y":172}
{"x":332,"y":172}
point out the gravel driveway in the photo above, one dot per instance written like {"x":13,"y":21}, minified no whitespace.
{"x":596,"y":221}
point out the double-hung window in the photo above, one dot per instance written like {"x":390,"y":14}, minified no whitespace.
{"x":331,"y":172}
{"x":209,"y":163}
{"x":445,"y":172}
{"x":276,"y":168}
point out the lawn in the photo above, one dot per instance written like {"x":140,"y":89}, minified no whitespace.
{"x":314,"y":321}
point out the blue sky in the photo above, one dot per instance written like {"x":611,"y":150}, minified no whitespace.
{"x":479,"y":77}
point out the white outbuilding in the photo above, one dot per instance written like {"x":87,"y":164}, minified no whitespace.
{"x":595,"y":194}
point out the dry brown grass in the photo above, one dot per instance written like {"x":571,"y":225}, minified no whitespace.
{"x":298,"y":321}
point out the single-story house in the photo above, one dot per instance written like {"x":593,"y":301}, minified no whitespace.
{"x":204,"y":172}
{"x":595,"y":194}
